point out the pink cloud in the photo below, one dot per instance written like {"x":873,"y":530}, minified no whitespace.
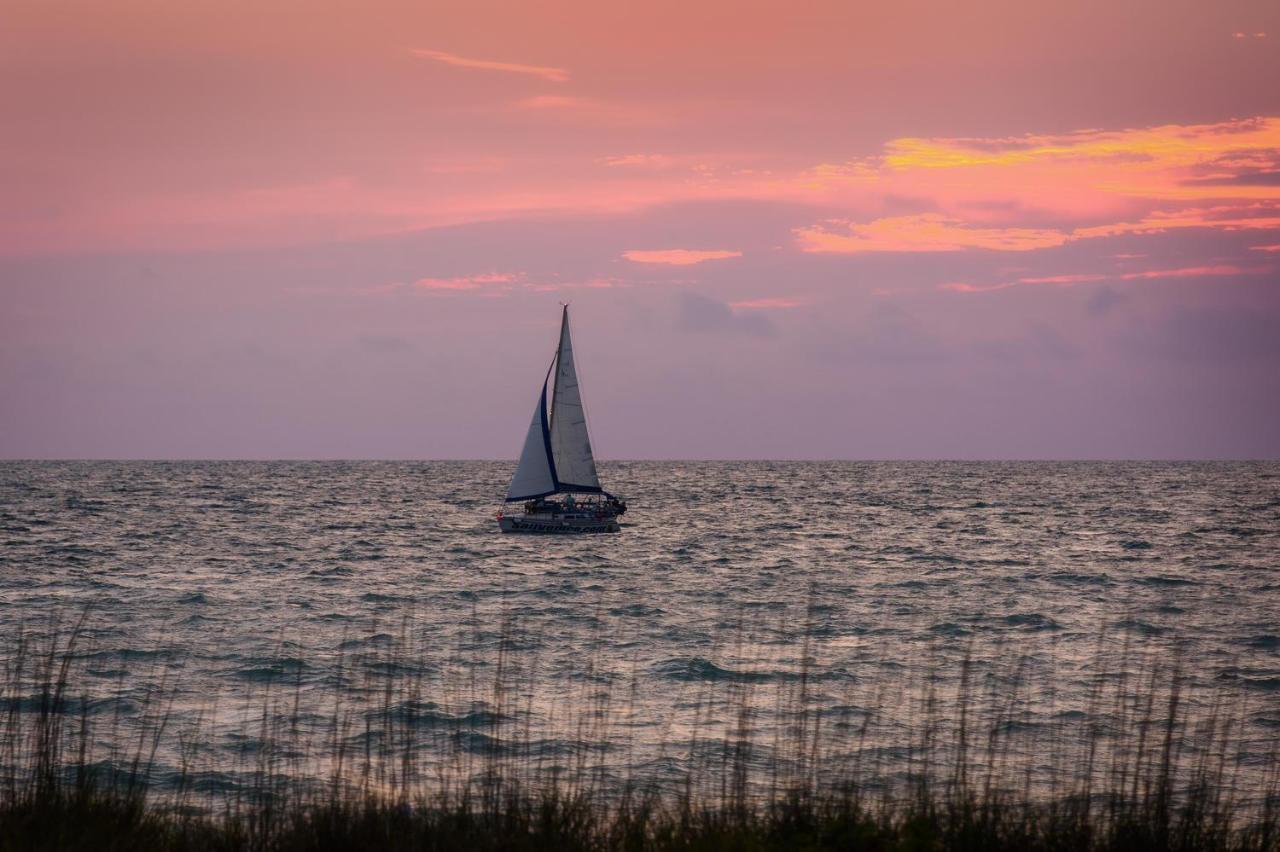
{"x":468,"y":282}
{"x":1194,"y":272}
{"x":1063,"y":279}
{"x":1261,"y":215}
{"x":1275,"y":247}
{"x":678,"y":257}
{"x":963,"y":287}
{"x":1220,"y":270}
{"x":499,"y":284}
{"x":648,"y":161}
{"x":555,"y":75}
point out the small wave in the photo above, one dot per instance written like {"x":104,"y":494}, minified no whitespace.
{"x":257,"y":669}
{"x":950,"y":628}
{"x":1264,"y":684}
{"x":1032,"y":621}
{"x":1160,"y":580}
{"x":428,"y":714}
{"x":378,"y":639}
{"x":71,"y":706}
{"x":378,"y":597}
{"x":476,"y":742}
{"x":1136,"y":544}
{"x":636,"y":610}
{"x":397,"y":669}
{"x":134,"y":654}
{"x":1142,"y":628}
{"x":700,"y":668}
{"x":1265,"y":642}
{"x":1082,"y":579}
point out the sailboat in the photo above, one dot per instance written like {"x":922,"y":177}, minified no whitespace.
{"x":555,"y":488}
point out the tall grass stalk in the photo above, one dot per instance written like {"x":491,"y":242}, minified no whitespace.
{"x":400,"y":747}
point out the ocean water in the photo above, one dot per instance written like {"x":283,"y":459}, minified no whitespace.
{"x":849,"y":596}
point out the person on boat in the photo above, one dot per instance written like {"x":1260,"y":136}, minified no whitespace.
{"x":569,"y":502}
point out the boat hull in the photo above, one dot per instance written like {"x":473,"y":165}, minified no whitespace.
{"x":550,"y":525}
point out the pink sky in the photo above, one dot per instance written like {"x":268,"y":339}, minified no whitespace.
{"x":907,"y":230}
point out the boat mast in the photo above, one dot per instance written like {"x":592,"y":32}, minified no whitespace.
{"x":555,"y":388}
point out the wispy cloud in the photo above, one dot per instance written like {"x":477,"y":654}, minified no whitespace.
{"x":678,"y":257}
{"x":546,"y":72}
{"x":493,"y":280}
{"x":645,"y":161}
{"x":1224,"y":270}
{"x":925,"y":232}
{"x":492,"y":284}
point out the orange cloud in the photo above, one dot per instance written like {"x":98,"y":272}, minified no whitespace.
{"x":677,"y":257}
{"x":1110,"y":182}
{"x":1194,"y":272}
{"x":925,"y":232}
{"x":555,"y":75}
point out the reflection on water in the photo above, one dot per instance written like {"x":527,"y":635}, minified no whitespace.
{"x":786,"y":617}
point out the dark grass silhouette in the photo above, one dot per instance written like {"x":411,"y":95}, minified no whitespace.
{"x":400,"y":761}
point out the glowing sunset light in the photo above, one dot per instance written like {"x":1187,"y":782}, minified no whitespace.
{"x":1038,"y":229}
{"x":927,"y":232}
{"x":678,"y":257}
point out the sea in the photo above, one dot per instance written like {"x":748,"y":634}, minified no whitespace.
{"x":833,"y":616}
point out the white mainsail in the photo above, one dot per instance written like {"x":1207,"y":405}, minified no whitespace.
{"x":570,"y":444}
{"x":557,"y":450}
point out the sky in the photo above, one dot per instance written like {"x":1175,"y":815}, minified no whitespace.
{"x":787,"y":230}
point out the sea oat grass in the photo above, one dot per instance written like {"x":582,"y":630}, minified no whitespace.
{"x":386,"y":767}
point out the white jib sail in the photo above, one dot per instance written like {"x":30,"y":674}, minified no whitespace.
{"x":534,"y":476}
{"x":570,"y":444}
